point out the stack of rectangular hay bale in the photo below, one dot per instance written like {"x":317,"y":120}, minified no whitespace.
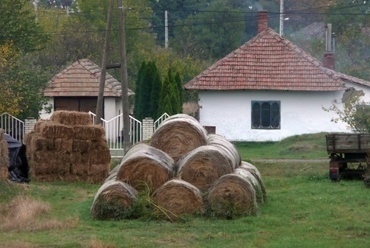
{"x":68,"y":147}
{"x":4,"y":156}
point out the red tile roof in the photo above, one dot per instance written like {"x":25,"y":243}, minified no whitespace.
{"x":269,"y":62}
{"x":82,"y":79}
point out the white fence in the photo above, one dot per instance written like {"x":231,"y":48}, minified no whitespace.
{"x":159,"y":121}
{"x":113,"y":129}
{"x":12,"y":126}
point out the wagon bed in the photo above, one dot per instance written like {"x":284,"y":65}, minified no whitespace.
{"x":349,"y":154}
{"x":347,"y":142}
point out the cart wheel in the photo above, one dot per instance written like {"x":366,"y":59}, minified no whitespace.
{"x":334,"y":174}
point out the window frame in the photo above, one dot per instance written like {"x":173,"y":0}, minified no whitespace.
{"x":266,"y":110}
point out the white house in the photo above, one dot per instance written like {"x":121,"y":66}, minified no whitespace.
{"x":269,"y":89}
{"x":77,"y":87}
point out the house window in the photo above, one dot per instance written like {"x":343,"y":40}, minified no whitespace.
{"x":265,"y":115}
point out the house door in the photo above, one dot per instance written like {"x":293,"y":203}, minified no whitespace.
{"x":82,"y":104}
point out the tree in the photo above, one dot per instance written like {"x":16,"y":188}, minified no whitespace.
{"x":178,"y":82}
{"x":350,"y":23}
{"x":170,"y":96}
{"x":355,"y":112}
{"x":211,"y":33}
{"x":20,"y":88}
{"x":156,"y":90}
{"x":9,"y":99}
{"x":348,"y":16}
{"x":148,"y":86}
{"x":21,"y":81}
{"x":17,"y":24}
{"x":138,"y":95}
{"x":177,"y":10}
{"x":55,"y":3}
{"x":165,"y":102}
{"x":146,"y":92}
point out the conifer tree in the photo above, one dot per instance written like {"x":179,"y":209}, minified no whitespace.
{"x":165,"y":105}
{"x":180,"y":91}
{"x":138,"y":95}
{"x":146,"y":92}
{"x":156,"y":91}
{"x":170,"y":102}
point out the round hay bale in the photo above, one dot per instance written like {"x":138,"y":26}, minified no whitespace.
{"x":203,"y":166}
{"x":253,"y":180}
{"x":177,"y":197}
{"x":178,"y":135}
{"x":250,"y":167}
{"x":231,"y":151}
{"x":232,"y":195}
{"x":112,"y":174}
{"x":71,"y":118}
{"x":145,"y":166}
{"x":113,"y":200}
{"x":255,"y":172}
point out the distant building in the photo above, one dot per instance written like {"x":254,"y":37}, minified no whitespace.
{"x":269,"y":89}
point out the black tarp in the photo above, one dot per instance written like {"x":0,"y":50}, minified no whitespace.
{"x":18,"y":165}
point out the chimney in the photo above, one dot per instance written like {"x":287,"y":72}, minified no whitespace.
{"x":262,"y":21}
{"x":329,"y":58}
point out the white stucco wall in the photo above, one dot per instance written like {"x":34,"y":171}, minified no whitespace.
{"x":301,"y":112}
{"x":111,"y":108}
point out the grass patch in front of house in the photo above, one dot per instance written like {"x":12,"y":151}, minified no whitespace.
{"x":303,"y":209}
{"x":307,"y":146}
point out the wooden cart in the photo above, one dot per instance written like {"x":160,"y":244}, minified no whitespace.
{"x":349,"y":155}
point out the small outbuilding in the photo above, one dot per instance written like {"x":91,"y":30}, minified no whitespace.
{"x":76,"y":88}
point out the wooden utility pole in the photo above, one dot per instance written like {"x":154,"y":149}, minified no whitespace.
{"x":99,"y":104}
{"x":124,"y":81}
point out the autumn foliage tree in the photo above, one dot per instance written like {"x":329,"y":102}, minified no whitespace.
{"x":9,"y":98}
{"x":21,"y":81}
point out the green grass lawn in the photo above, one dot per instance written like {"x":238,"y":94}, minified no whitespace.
{"x":303,"y":209}
{"x":308,"y":146}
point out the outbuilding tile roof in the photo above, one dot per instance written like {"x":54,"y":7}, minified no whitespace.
{"x":82,"y":79}
{"x":269,"y":62}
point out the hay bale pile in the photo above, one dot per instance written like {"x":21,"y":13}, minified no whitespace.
{"x":4,"y":157}
{"x":186,"y":171}
{"x":68,"y":147}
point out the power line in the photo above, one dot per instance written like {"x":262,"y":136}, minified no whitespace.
{"x":194,"y":21}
